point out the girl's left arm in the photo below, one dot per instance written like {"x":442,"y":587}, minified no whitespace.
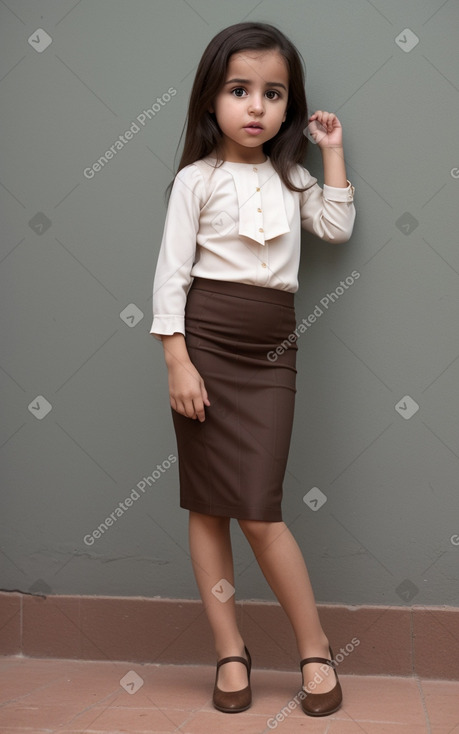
{"x":328,"y":213}
{"x":327,"y":132}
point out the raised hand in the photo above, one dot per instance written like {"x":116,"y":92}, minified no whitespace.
{"x":326,"y":129}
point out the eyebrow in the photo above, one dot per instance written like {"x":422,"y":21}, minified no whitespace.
{"x":247,"y":81}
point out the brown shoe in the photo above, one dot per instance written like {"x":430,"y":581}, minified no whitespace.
{"x":322,"y":704}
{"x":233,"y":702}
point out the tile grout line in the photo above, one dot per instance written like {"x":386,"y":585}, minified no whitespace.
{"x":415,"y":673}
{"x":423,"y":704}
{"x":21,"y":624}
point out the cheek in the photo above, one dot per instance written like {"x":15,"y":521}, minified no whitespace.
{"x":227,"y":111}
{"x":222,"y":108}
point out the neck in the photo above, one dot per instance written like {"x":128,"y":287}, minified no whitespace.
{"x":257,"y":157}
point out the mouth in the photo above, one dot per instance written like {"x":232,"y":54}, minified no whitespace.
{"x":254,"y":128}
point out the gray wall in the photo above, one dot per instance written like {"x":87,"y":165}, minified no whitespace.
{"x":78,"y":258}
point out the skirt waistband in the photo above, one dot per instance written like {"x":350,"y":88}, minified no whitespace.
{"x":245,"y":290}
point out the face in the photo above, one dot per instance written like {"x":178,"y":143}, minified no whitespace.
{"x":251,"y":106}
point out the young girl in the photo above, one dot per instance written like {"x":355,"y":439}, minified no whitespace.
{"x":223,"y":299}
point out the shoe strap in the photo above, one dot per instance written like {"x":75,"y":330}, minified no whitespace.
{"x":329,"y":662}
{"x":236,"y":659}
{"x":317,"y":660}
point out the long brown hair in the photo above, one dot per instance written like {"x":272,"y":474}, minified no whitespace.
{"x":203,"y":134}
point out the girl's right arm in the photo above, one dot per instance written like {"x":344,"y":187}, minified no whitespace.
{"x":187,"y":391}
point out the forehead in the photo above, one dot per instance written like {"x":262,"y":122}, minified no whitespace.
{"x":253,"y":65}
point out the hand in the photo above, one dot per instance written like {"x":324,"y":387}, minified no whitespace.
{"x":187,"y":391}
{"x":326,"y":129}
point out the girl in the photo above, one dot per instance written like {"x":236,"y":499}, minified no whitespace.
{"x":223,"y":299}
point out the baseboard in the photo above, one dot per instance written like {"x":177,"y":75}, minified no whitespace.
{"x":373,"y":640}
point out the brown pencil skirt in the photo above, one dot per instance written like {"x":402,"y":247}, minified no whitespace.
{"x":233,"y":463}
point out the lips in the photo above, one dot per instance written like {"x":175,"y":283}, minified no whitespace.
{"x":254,"y":128}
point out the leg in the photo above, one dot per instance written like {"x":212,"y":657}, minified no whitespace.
{"x":212,"y":559}
{"x":283,"y":566}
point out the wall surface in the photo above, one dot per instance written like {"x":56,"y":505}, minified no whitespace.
{"x":371,"y":491}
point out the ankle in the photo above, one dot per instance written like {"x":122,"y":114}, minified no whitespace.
{"x":317,"y":647}
{"x":230,"y":648}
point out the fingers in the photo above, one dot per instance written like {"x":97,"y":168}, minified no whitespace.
{"x":192,"y":406}
{"x":199,"y":410}
{"x":204,"y":396}
{"x":328,"y":119}
{"x":200,"y":402}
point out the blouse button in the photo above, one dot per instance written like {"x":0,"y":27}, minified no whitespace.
{"x":258,"y":210}
{"x":263,"y":265}
{"x":255,"y":168}
{"x":257,"y":189}
{"x":261,"y":229}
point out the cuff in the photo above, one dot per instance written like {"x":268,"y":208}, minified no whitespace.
{"x":335,"y":193}
{"x":167,"y":324}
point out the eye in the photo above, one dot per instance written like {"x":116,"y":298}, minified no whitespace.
{"x":273,"y":92}
{"x":238,"y":91}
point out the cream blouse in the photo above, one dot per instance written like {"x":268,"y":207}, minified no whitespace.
{"x":239,"y":222}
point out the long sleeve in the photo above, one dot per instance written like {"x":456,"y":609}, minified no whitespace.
{"x":177,"y":253}
{"x":328,"y":213}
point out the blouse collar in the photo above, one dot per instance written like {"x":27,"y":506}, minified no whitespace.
{"x":262,"y":214}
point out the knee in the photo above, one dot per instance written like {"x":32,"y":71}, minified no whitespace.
{"x":211,"y":522}
{"x":256,"y":530}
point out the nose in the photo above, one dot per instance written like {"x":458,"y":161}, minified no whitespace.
{"x":256,"y":105}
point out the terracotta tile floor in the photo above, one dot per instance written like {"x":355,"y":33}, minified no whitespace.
{"x":49,"y":695}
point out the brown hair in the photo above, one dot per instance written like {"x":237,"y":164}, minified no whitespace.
{"x":203,"y":134}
